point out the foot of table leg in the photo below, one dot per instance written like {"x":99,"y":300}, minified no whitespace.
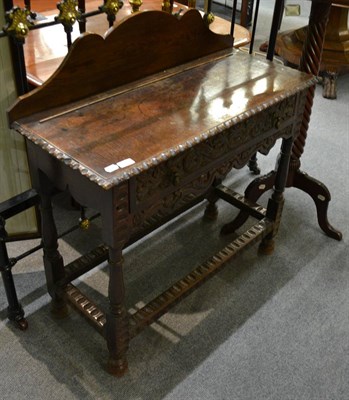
{"x":117,"y":368}
{"x":117,"y":341}
{"x":59,"y":309}
{"x":15,"y":311}
{"x":253,"y":192}
{"x":321,"y":196}
{"x":266,"y":247}
{"x":211,"y":211}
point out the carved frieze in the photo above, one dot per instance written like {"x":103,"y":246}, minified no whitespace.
{"x":178,"y":179}
{"x":228,"y":146}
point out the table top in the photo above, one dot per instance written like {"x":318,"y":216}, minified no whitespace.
{"x":45,"y":48}
{"x":145,"y":124}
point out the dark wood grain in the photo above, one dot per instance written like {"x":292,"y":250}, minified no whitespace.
{"x":143,"y":44}
{"x":144,"y":123}
{"x":186,"y":114}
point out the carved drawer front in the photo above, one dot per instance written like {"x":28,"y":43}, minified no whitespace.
{"x":179,"y":182}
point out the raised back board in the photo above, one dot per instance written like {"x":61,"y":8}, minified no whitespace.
{"x":142,"y":44}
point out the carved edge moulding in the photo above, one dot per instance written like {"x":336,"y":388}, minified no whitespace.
{"x":149,"y":163}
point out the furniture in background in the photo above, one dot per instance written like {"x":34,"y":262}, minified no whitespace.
{"x":335,"y":56}
{"x":43,"y":57}
{"x":8,"y":209}
{"x":140,"y":154}
{"x":310,"y":62}
{"x":244,"y":10}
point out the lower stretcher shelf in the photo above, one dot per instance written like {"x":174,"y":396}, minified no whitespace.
{"x":174,"y":294}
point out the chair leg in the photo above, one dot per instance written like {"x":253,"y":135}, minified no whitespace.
{"x":15,"y":311}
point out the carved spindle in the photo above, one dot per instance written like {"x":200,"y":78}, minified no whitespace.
{"x":310,"y":63}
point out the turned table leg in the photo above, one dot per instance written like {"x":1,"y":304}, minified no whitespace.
{"x":117,"y":332}
{"x":53,"y":261}
{"x":117,"y":222}
{"x":276,"y":202}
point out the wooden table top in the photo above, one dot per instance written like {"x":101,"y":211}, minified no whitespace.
{"x":149,"y":123}
{"x":45,"y":48}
